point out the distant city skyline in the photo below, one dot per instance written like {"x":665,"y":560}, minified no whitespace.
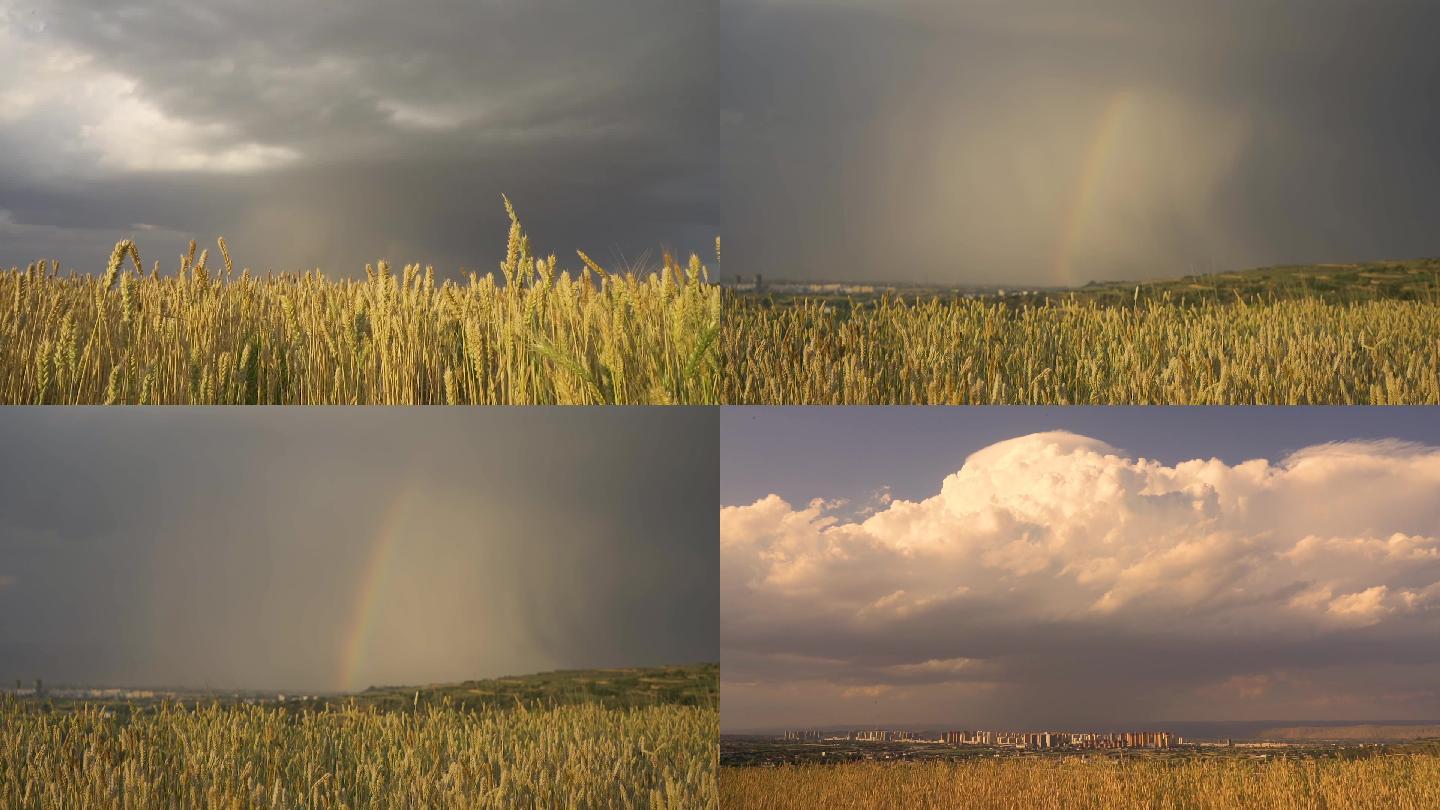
{"x":1265,"y":564}
{"x":1018,"y":739}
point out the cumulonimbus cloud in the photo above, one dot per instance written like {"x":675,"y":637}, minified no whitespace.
{"x":1041,"y":546}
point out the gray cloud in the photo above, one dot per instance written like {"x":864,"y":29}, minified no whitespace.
{"x":336,"y":133}
{"x":1053,"y":142}
{"x":201,"y":546}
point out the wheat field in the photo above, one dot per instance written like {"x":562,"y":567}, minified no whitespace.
{"x":211,"y":335}
{"x":575,"y":756}
{"x":1408,"y":781}
{"x":967,"y":351}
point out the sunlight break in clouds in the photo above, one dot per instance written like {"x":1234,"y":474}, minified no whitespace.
{"x":52,"y":88}
{"x":1041,"y":542}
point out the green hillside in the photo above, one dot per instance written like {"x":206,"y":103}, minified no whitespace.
{"x":1409,"y":280}
{"x":681,"y":685}
{"x":690,"y":685}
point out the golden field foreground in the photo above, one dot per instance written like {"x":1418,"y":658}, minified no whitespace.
{"x":571,"y":756}
{"x":1408,"y":781}
{"x":216,"y":336}
{"x":967,"y":351}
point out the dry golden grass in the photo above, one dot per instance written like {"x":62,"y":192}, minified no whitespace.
{"x":213,"y":335}
{"x":1395,"y":782}
{"x":578,"y":756}
{"x":1283,"y":352}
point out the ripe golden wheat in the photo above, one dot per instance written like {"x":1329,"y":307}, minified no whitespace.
{"x":575,"y":756}
{"x":1394,"y":782}
{"x":955,"y":352}
{"x":207,"y":335}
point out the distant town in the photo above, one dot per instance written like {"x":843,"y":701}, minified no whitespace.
{"x":1035,"y":740}
{"x":758,"y":284}
{"x":832,"y":746}
{"x":39,"y":690}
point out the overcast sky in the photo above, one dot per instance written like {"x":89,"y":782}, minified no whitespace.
{"x":334,"y":133}
{"x":1055,"y":142}
{"x":1070,"y":567}
{"x":320,"y":549}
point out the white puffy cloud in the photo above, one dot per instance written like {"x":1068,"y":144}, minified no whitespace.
{"x":1046,"y":556}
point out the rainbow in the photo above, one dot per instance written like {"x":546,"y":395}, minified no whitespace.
{"x":355,"y":651}
{"x":1092,"y":172}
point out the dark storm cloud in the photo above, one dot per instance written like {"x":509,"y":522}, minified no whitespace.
{"x":336,"y":133}
{"x":196,"y":547}
{"x":1055,"y":580}
{"x":1053,"y":142}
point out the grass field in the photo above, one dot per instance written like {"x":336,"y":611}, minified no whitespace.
{"x":1403,"y":781}
{"x":428,"y":752}
{"x":214,"y":335}
{"x":1145,"y":349}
